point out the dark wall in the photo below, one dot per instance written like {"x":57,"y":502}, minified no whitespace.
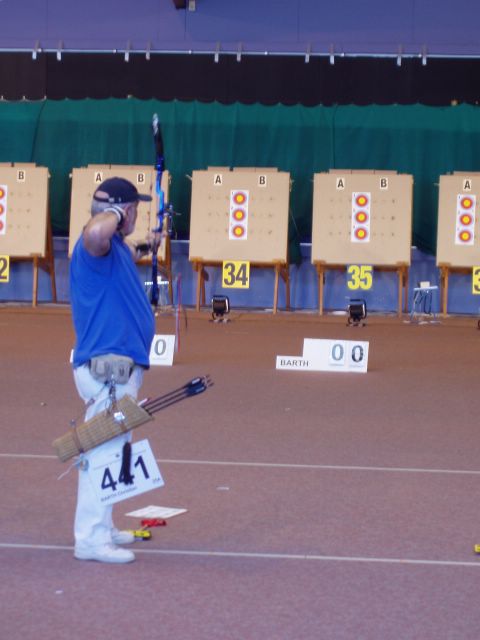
{"x":255,"y":79}
{"x":93,"y":38}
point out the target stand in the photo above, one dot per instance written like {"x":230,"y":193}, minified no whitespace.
{"x":240,"y":215}
{"x":400,"y":269}
{"x":46,"y":263}
{"x":25,"y":227}
{"x":280,"y":270}
{"x":446,"y":270}
{"x":362,"y":218}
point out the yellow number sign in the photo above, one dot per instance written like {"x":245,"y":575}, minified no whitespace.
{"x":360,"y":276}
{"x":476,"y":281}
{"x":235,"y":274}
{"x":4,"y":268}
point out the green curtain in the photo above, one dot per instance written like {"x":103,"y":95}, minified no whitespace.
{"x":424,"y":141}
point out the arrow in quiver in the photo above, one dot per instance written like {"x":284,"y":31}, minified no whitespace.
{"x":125,"y":416}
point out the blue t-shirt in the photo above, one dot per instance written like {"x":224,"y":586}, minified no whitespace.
{"x":111,"y":312}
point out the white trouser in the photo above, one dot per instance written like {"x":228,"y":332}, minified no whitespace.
{"x":93,"y":521}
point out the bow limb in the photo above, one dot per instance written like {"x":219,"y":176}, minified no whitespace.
{"x":159,"y":167}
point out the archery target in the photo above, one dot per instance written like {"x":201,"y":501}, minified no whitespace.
{"x":86,"y":179}
{"x":23,"y":210}
{"x":360,"y":231}
{"x":238,"y":222}
{"x":3,"y":208}
{"x":362,"y":217}
{"x":465,"y":220}
{"x":235,"y":218}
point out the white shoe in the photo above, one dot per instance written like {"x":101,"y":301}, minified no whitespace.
{"x":122,"y":537}
{"x":105,"y":553}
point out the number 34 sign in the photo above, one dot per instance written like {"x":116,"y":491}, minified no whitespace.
{"x":104,"y":473}
{"x":235,"y":274}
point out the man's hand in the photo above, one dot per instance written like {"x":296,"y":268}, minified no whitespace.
{"x":152,"y":242}
{"x":155,"y":239}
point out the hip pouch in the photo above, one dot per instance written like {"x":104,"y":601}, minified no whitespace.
{"x":110,"y":367}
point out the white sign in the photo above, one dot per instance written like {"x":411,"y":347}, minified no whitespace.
{"x":328,"y":355}
{"x":104,"y":473}
{"x":161,"y":351}
{"x":156,"y":512}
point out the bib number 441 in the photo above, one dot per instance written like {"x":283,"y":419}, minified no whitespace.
{"x":108,"y":481}
{"x":104,"y":473}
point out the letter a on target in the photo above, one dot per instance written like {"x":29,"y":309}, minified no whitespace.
{"x":238,"y":222}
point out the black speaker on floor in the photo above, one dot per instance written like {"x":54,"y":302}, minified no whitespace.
{"x":357,"y":312}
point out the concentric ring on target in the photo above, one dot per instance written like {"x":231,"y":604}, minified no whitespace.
{"x":1,"y":225}
{"x":361,"y":233}
{"x":361,"y":216}
{"x":465,"y":235}
{"x":361,"y":200}
{"x":466,"y":203}
{"x":239,"y":197}
{"x":2,"y":193}
{"x":466,"y":219}
{"x":2,"y":210}
{"x":238,"y":231}
{"x":239,"y":214}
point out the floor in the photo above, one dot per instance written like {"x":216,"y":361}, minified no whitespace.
{"x":320,"y":505}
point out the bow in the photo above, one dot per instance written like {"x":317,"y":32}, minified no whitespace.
{"x":159,"y":166}
{"x":165,"y":215}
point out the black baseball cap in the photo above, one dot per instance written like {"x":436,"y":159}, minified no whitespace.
{"x":118,"y":191}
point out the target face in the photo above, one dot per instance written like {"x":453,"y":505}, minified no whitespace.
{"x":239,"y":214}
{"x":465,"y":220}
{"x":238,"y":231}
{"x":239,"y":197}
{"x":362,"y":200}
{"x":238,"y":220}
{"x":360,"y":225}
{"x":361,"y":233}
{"x":466,"y":203}
{"x":361,"y":217}
{"x":3,"y":208}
